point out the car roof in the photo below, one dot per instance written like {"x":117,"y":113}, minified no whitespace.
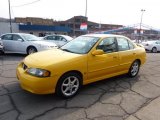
{"x":17,"y":33}
{"x":103,"y":35}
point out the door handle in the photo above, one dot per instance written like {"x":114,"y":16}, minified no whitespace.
{"x":114,"y":56}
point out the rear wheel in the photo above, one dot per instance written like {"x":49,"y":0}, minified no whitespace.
{"x":68,"y":85}
{"x":31,"y":50}
{"x":134,"y":69}
{"x":154,"y":50}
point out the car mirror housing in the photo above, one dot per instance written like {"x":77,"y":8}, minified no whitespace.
{"x":97,"y":52}
{"x":20,"y":40}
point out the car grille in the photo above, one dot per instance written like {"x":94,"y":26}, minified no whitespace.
{"x":24,"y":66}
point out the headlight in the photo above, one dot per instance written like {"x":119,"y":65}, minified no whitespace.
{"x":38,"y":72}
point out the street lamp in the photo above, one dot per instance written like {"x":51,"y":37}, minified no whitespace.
{"x":142,"y":11}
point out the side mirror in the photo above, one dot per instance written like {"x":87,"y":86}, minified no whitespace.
{"x":98,"y":52}
{"x":20,"y":40}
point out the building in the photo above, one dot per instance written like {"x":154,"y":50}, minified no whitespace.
{"x":40,"y":26}
{"x":75,"y":22}
{"x":72,"y":27}
{"x":5,"y":26}
{"x":134,"y":32}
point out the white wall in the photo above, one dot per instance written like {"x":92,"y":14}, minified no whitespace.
{"x":5,"y":28}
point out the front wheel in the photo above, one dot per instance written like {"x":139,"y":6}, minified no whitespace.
{"x":31,"y":50}
{"x":68,"y":85}
{"x":134,"y":69}
{"x":154,"y":50}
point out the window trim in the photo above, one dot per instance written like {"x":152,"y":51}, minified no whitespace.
{"x":127,"y":42}
{"x":6,"y":35}
{"x":116,"y":45}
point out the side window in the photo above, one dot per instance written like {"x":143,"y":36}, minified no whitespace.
{"x":16,"y":37}
{"x":122,"y":44}
{"x":131,"y":46}
{"x":63,"y":39}
{"x":57,"y":38}
{"x":7,"y":37}
{"x":51,"y":38}
{"x":108,"y":45}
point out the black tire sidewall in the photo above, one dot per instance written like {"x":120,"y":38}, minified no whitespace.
{"x":153,"y":49}
{"x":30,"y":48}
{"x":58,"y":90}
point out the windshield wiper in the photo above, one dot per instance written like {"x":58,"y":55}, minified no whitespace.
{"x":67,"y":50}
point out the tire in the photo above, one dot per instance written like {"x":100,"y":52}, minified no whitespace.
{"x":154,"y":50}
{"x":1,"y":52}
{"x":134,"y":69}
{"x":68,"y":85}
{"x":31,"y":50}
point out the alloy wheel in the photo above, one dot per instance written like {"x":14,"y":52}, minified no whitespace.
{"x":70,"y":86}
{"x":134,"y":68}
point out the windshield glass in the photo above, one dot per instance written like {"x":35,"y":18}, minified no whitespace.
{"x":80,"y":45}
{"x":29,"y":37}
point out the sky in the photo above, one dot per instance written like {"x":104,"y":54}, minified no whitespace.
{"x":122,"y":12}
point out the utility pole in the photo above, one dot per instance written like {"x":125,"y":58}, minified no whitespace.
{"x":86,"y":9}
{"x":142,"y":10}
{"x":10,"y":19}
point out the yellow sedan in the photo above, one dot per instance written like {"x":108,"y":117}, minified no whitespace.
{"x":86,"y":59}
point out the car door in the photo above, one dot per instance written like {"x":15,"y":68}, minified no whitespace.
{"x":127,"y":53}
{"x":19,"y":43}
{"x":52,"y":38}
{"x":158,"y":45}
{"x":8,"y":43}
{"x":105,"y":65}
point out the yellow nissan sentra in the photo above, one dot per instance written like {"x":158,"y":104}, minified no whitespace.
{"x":86,"y":59}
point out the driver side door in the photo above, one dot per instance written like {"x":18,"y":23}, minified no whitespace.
{"x":105,"y":65}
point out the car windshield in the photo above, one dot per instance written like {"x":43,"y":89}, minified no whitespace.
{"x":80,"y":45}
{"x":29,"y":37}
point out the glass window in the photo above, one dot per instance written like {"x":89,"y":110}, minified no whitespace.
{"x":51,"y":38}
{"x":16,"y":37}
{"x":157,"y":42}
{"x":7,"y":37}
{"x":122,"y":44}
{"x":131,"y":46}
{"x":58,"y":38}
{"x":80,"y":45}
{"x":108,"y":45}
{"x":29,"y":37}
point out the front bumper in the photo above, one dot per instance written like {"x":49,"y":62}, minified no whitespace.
{"x":34,"y":84}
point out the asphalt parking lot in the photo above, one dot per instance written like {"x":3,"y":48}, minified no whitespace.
{"x":119,"y":98}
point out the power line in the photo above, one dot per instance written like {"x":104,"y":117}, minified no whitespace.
{"x":26,"y":3}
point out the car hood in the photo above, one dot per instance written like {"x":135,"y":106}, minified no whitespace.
{"x":50,"y":57}
{"x":41,"y":42}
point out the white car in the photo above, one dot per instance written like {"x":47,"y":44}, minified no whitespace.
{"x":59,"y":40}
{"x":153,"y":46}
{"x":24,"y":43}
{"x":1,"y":46}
